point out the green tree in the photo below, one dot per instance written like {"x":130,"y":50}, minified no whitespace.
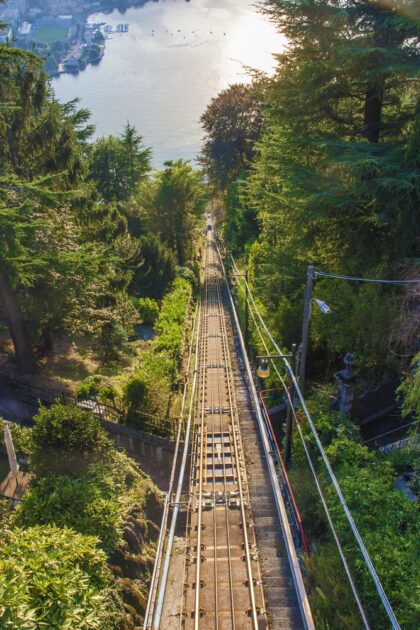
{"x":62,"y":256}
{"x":45,"y":258}
{"x":233,"y":122}
{"x":154,"y":269}
{"x":335,"y":182}
{"x":175,"y":199}
{"x":118,"y":165}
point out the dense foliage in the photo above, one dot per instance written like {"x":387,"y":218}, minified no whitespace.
{"x":51,"y":577}
{"x":91,"y":502}
{"x":334,"y":180}
{"x":387,"y":521}
{"x":85,"y":227}
{"x":148,"y":310}
{"x":66,"y":439}
{"x":410,"y":390}
{"x":117,"y":165}
{"x":54,"y":547}
{"x":171,"y":204}
{"x":233,"y":122}
{"x":149,"y":389}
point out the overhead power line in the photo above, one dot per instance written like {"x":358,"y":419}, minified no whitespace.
{"x":325,"y":274}
{"x":378,"y":585}
{"x":314,"y":474}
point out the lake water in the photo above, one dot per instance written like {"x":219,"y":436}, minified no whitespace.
{"x":161,"y":75}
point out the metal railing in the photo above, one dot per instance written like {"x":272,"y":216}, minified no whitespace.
{"x":134,"y":418}
{"x":293,"y":515}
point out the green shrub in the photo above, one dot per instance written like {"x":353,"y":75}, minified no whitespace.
{"x":74,"y":502}
{"x":187,"y":274}
{"x":386,"y":519}
{"x":171,"y":321}
{"x":148,"y":310}
{"x":22,"y":438}
{"x":94,"y":388}
{"x":135,"y":391}
{"x":113,"y":342}
{"x":92,"y":504}
{"x":326,"y":581}
{"x":389,"y":526}
{"x":410,"y":390}
{"x":6,"y":516}
{"x":55,"y":578}
{"x":65,"y":440}
{"x":149,"y":388}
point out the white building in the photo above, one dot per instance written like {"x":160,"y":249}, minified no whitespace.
{"x":25,"y":29}
{"x":6,"y":35}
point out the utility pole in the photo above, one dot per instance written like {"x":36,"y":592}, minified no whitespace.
{"x":246,"y":312}
{"x":289,"y":417}
{"x":305,"y":325}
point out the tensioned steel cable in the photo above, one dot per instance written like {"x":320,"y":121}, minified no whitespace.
{"x":338,"y":276}
{"x":159,"y":550}
{"x":319,"y":489}
{"x":162,"y":589}
{"x":378,"y":585}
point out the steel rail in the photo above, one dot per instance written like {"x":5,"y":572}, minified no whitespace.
{"x":162,"y":535}
{"x":366,"y":557}
{"x":225,"y":358}
{"x":287,"y":536}
{"x":188,"y":525}
{"x":217,"y":468}
{"x":200,"y":483}
{"x":159,"y":605}
{"x":216,"y":590}
{"x":239,"y":474}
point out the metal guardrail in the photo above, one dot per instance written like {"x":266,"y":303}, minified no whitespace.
{"x":35,"y":392}
{"x":140,"y":420}
{"x":292,"y":510}
{"x":280,"y":505}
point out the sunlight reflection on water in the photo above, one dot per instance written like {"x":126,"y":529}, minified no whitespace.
{"x":161,"y":75}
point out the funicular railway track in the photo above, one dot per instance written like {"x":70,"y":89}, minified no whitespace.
{"x":222,"y":580}
{"x":209,"y":573}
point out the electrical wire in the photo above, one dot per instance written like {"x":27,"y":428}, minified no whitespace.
{"x":324,"y":274}
{"x":378,"y":585}
{"x":319,"y":489}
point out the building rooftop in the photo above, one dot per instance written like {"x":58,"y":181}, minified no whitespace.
{"x":25,"y":28}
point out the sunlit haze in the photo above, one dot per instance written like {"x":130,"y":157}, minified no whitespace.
{"x":162,"y":74}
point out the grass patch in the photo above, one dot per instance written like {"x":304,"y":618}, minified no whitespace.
{"x":51,"y":34}
{"x":72,"y":362}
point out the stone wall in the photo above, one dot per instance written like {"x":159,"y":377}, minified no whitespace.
{"x":153,"y":454}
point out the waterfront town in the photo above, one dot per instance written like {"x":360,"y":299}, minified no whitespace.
{"x":59,"y":31}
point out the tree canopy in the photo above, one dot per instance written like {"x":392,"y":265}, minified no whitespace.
{"x":334,"y":180}
{"x":118,"y":164}
{"x":84,"y":226}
